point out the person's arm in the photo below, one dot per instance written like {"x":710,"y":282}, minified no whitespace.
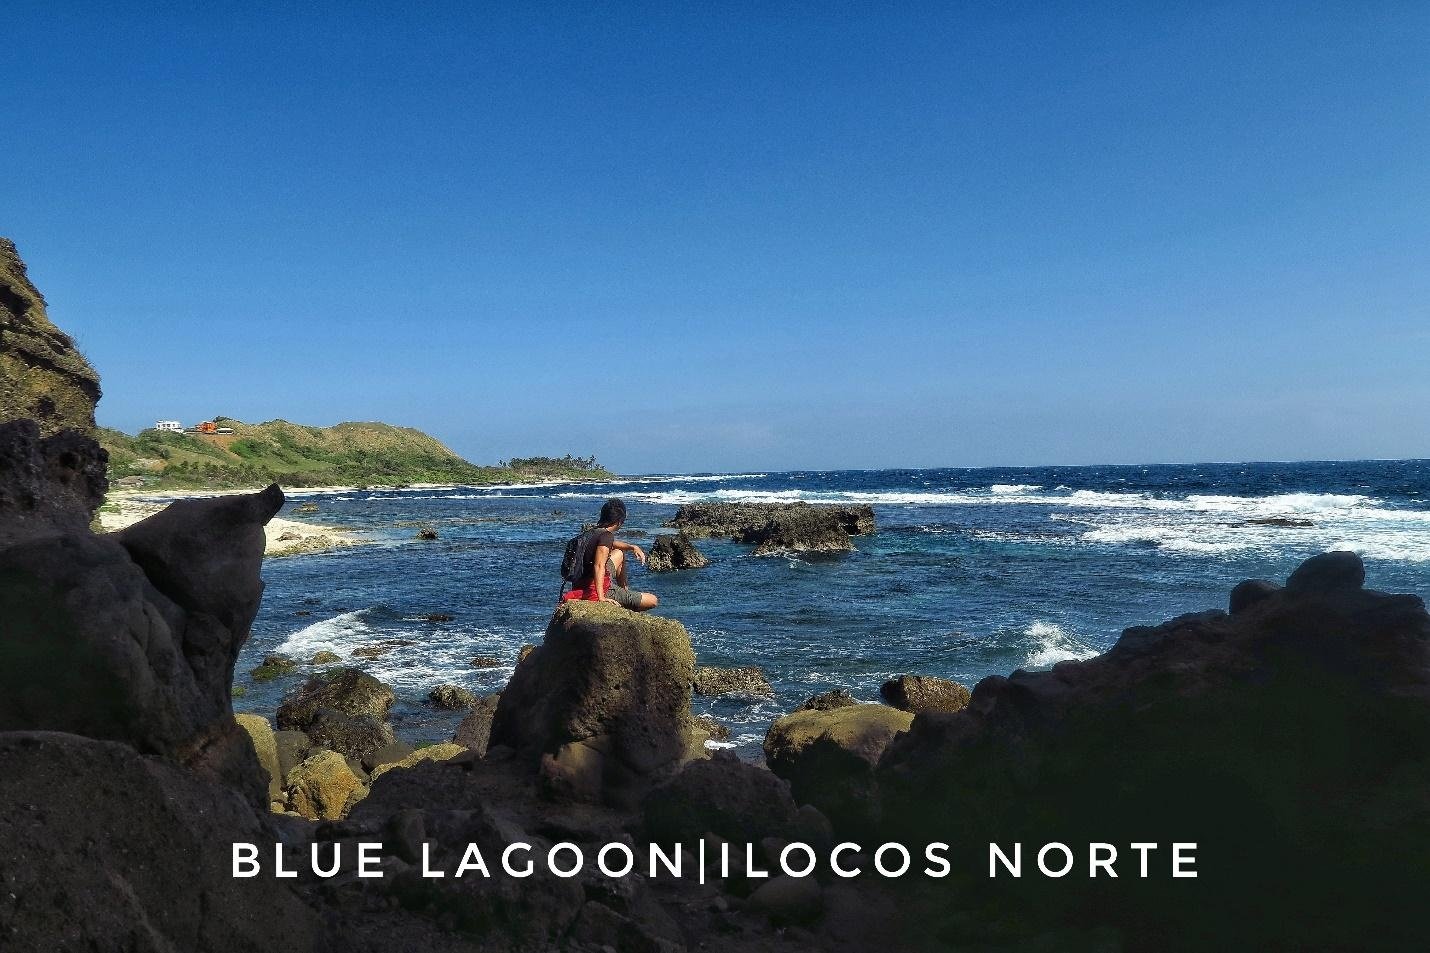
{"x":603,"y":553}
{"x":631,"y":548}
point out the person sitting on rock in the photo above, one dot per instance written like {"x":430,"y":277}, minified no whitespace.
{"x":606,"y":578}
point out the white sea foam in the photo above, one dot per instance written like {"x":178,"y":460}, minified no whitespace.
{"x":435,"y":654}
{"x":1053,"y":644}
{"x":1005,"y":489}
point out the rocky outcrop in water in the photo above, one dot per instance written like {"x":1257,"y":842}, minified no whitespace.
{"x":673,"y":552}
{"x":777,"y":527}
{"x":602,"y":706}
{"x":745,"y":680}
{"x":925,"y":693}
{"x":43,"y":376}
{"x":1288,"y":739}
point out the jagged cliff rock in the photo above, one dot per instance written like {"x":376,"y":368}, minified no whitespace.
{"x":43,"y":376}
{"x":130,"y":636}
{"x":1289,"y":739}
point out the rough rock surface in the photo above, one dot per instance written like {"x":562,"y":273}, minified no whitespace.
{"x":777,"y":527}
{"x":827,"y":701}
{"x":360,"y":737}
{"x":451,"y":697}
{"x":925,"y":693}
{"x":265,"y":747}
{"x":48,"y":485}
{"x":675,"y":551}
{"x":102,"y":848}
{"x":1288,"y":741}
{"x":43,"y":376}
{"x":323,"y":786}
{"x":722,"y":796}
{"x":736,"y":520}
{"x":130,"y":636}
{"x":603,"y":704}
{"x":350,"y":691}
{"x":829,"y":757}
{"x":474,"y":731}
{"x":747,"y":680}
{"x":441,"y":752}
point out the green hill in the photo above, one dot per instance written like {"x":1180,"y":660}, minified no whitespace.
{"x":349,"y":454}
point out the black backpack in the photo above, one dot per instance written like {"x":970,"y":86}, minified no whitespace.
{"x":578,"y":556}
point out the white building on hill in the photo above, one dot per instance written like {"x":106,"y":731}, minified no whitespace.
{"x":171,"y":426}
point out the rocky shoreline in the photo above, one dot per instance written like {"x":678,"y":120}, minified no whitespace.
{"x":1284,"y":736}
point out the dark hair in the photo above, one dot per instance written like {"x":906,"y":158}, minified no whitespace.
{"x":613,"y":511}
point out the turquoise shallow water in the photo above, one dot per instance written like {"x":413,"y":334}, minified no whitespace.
{"x":972,"y":572}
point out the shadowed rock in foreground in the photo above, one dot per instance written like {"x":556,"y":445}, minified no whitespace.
{"x":102,"y":848}
{"x":1290,"y":740}
{"x":1287,"y":739}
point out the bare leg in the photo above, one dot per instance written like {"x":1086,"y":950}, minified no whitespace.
{"x":618,"y":569}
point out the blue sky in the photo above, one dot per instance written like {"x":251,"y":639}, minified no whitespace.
{"x":743,"y":236}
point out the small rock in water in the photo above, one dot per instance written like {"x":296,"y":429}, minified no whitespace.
{"x":747,"y":680}
{"x":326,"y":658}
{"x":376,"y":649}
{"x":715,"y":729}
{"x":924,"y":693}
{"x":273,"y":666}
{"x":827,"y":701}
{"x":438,"y":617}
{"x":485,"y":661}
{"x":451,"y":697}
{"x":427,"y":532}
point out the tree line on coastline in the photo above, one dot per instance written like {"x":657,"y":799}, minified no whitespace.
{"x":348,"y":454}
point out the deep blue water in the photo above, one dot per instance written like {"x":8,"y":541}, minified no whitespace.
{"x":972,"y":572}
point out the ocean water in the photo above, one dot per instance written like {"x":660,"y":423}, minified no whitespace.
{"x":971,"y":572}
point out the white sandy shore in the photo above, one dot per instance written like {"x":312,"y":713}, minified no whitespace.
{"x":283,"y":537}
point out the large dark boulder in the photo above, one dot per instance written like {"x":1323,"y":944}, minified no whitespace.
{"x":130,"y":636}
{"x":674,"y":551}
{"x":829,"y":756}
{"x":602,"y":706}
{"x":777,"y":527}
{"x":104,"y":849}
{"x":1288,"y":741}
